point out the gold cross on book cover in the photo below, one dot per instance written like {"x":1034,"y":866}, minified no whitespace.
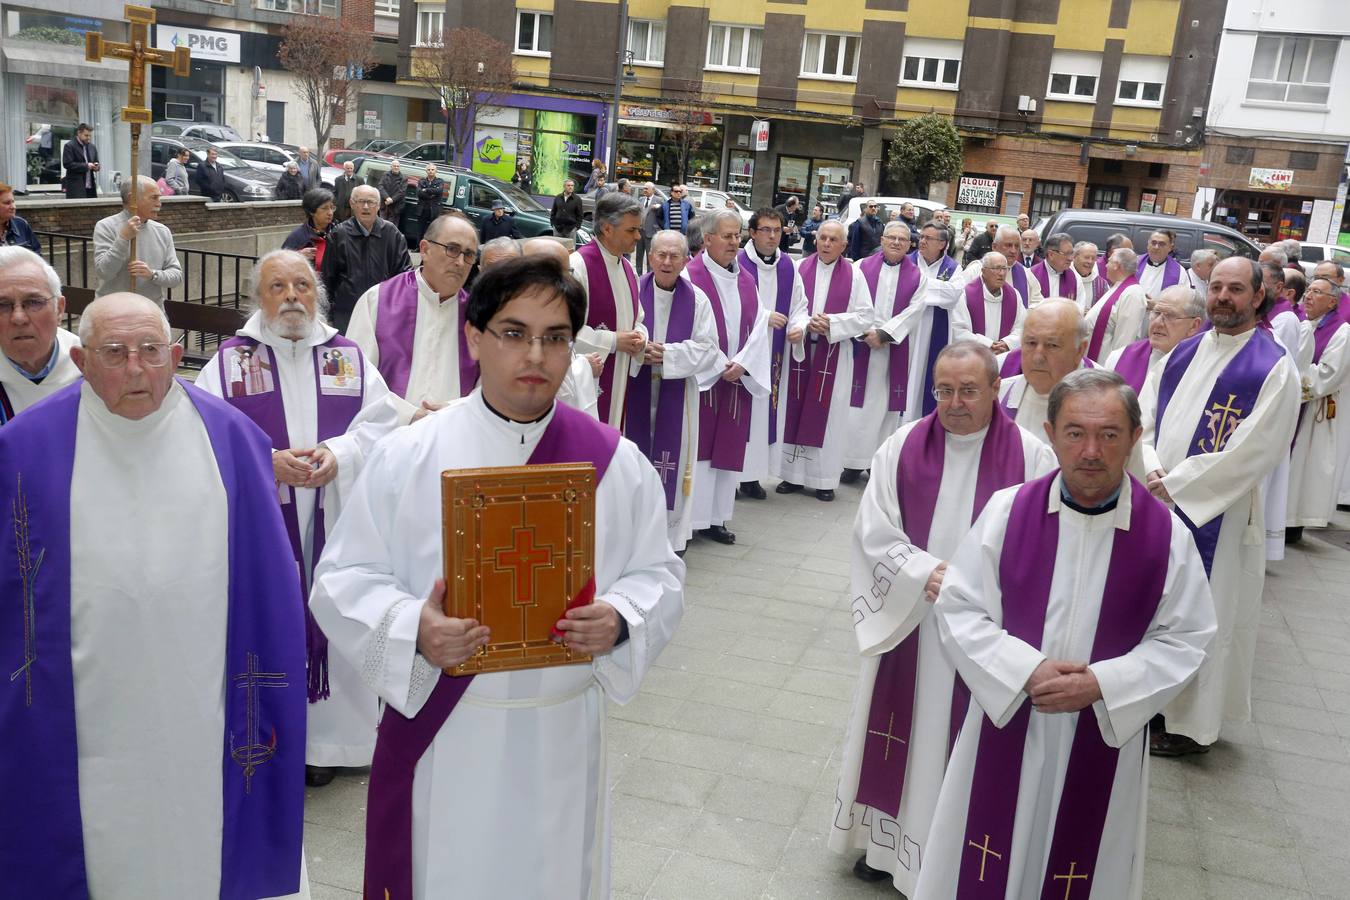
{"x":519,"y":546}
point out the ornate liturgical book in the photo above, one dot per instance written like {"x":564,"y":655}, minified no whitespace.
{"x":519,"y":549}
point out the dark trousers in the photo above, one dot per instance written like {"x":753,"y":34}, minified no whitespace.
{"x":643,"y":245}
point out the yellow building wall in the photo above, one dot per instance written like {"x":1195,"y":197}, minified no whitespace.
{"x":1067,"y":118}
{"x":1134,"y":123}
{"x":1082,"y":25}
{"x":937,"y":19}
{"x":913,"y":101}
{"x":1152,"y":27}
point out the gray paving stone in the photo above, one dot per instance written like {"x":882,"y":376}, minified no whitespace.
{"x":686,"y":876}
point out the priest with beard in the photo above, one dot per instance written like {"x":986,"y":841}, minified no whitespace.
{"x":324,"y":411}
{"x":493,"y":785}
{"x":411,"y":327}
{"x":1074,"y":610}
{"x":781,"y":294}
{"x":881,"y":359}
{"x":663,"y":398}
{"x":1218,"y":419}
{"x":1176,"y":315}
{"x":929,"y":483}
{"x":1054,"y":341}
{"x":813,"y":430}
{"x":155,"y":723}
{"x":1118,"y":318}
{"x":740,"y":374}
{"x":613,"y":326}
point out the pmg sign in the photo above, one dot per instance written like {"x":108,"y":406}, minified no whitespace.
{"x":220,"y":46}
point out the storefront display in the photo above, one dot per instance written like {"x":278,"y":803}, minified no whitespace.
{"x":811,"y":181}
{"x":740,"y":176}
{"x":535,"y":148}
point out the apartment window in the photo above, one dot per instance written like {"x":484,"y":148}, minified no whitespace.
{"x":304,"y":7}
{"x":1239,"y":156}
{"x":830,"y":56}
{"x":931,"y":64}
{"x":1106,"y":198}
{"x":1303,"y":159}
{"x":430,"y":23}
{"x":534,"y":33}
{"x":1292,"y":69}
{"x":647,"y":42}
{"x":1049,"y":197}
{"x":386,"y":8}
{"x":1141,"y":81}
{"x":734,"y":47}
{"x":1074,"y":75}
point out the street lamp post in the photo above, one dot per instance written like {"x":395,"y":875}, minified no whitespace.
{"x":621,"y":56}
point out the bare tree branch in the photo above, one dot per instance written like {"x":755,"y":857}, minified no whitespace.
{"x":470,"y":72}
{"x":328,"y":62}
{"x":689,"y":119}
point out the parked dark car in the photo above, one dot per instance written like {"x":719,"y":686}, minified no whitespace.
{"x":471,"y":193}
{"x":1096,"y":225}
{"x":242,"y":181}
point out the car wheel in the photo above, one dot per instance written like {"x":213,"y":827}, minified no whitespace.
{"x":229,"y":197}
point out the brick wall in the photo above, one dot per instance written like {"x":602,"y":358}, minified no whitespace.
{"x":359,"y":15}
{"x":183,"y":216}
{"x":1267,"y":153}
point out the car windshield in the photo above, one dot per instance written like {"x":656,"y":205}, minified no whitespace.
{"x":519,"y":198}
{"x":226,"y":159}
{"x":399,"y":149}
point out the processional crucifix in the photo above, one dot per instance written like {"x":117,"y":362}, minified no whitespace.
{"x":138,"y":53}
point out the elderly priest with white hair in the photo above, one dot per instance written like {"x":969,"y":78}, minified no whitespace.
{"x":493,"y":784}
{"x":930,"y":480}
{"x":1054,"y":339}
{"x":1177,"y":313}
{"x":36,"y":347}
{"x":323,"y":406}
{"x":154,"y":727}
{"x":1075,"y":609}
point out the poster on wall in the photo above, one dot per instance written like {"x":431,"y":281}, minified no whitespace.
{"x":1148,"y":202}
{"x":494,"y":151}
{"x":1271,"y":179}
{"x":978,"y":191}
{"x":561,"y":150}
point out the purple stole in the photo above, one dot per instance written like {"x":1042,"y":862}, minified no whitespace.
{"x":1135,"y":578}
{"x":941,"y":326}
{"x":6,"y":408}
{"x":395,"y":324}
{"x":1132,"y":364}
{"x":810,"y":387}
{"x":601,"y":309}
{"x":918,"y":479}
{"x":1012,"y":365}
{"x":661,"y":444}
{"x":975,"y":304}
{"x":1322,"y":334}
{"x":1232,"y":398}
{"x":724,"y":409}
{"x":1101,"y":266}
{"x":268,"y":411}
{"x":1099,"y":329}
{"x":907,"y":282}
{"x":41,"y":840}
{"x":782,"y":304}
{"x":571,"y":436}
{"x":1018,"y":272}
{"x":1171,"y":271}
{"x":1283,"y":305}
{"x":1042,"y":275}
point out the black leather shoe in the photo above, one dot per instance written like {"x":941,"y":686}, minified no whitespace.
{"x":752,"y":490}
{"x":826,"y":496}
{"x":318,"y":776}
{"x":867,"y":873}
{"x":1173,"y":745}
{"x":1293,"y":535}
{"x":720,"y":534}
{"x":849,"y":476}
{"x":787,"y":487}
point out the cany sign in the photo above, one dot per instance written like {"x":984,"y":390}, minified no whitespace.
{"x":220,"y":46}
{"x":1271,"y":179}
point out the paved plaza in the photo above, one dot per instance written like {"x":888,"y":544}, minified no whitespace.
{"x":724,"y":768}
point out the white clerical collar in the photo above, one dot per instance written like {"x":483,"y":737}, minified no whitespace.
{"x":1080,"y":276}
{"x":610,"y":258}
{"x":1227,"y":340}
{"x":930,"y":266}
{"x":827,"y":266}
{"x":991,"y":297}
{"x":523,"y":432}
{"x":720,"y":273}
{"x":1156,"y":264}
{"x":428,"y":293}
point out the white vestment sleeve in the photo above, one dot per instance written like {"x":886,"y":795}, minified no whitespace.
{"x":378,"y":417}
{"x":858,"y":317}
{"x":1205,"y":485}
{"x":368,"y":615}
{"x":361,"y":331}
{"x":1139,"y":684}
{"x":650,"y":592}
{"x":888,"y":572}
{"x":799,"y":315}
{"x":754,"y":357}
{"x":588,"y":339}
{"x":697,"y":357}
{"x":1328,"y":374}
{"x":994,"y":664}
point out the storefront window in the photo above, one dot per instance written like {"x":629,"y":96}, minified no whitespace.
{"x":53,"y":28}
{"x":811,"y":181}
{"x":561,"y":145}
{"x":198,"y":98}
{"x":652,"y":153}
{"x":740,"y":176}
{"x":51,"y":112}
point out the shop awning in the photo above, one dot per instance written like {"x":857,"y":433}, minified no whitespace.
{"x":57,"y":61}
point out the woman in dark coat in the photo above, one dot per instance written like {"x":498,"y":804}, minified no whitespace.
{"x":311,"y":238}
{"x":289,"y":186}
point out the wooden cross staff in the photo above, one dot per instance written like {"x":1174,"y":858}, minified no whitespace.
{"x":138,"y":53}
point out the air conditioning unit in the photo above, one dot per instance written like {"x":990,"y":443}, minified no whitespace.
{"x":1026,"y":104}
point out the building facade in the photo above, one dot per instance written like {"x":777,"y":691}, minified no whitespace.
{"x":1062,"y":102}
{"x":1279,"y":122}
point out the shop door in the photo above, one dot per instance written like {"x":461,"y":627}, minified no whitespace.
{"x":276,"y":121}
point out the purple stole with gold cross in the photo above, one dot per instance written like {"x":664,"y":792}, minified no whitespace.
{"x":339,"y":397}
{"x":724,"y":409}
{"x":918,"y":480}
{"x":785,"y":271}
{"x":1135,"y":577}
{"x":811,"y":387}
{"x":570,"y":437}
{"x":263,"y":744}
{"x":1230,"y":401}
{"x":661,"y":442}
{"x":906,"y":283}
{"x":395,"y":325}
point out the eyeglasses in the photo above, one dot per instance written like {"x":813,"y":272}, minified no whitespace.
{"x":365,"y":202}
{"x":994,"y":268}
{"x":31,"y":306}
{"x":765,"y":229}
{"x":1310,"y":292}
{"x":1156,"y":313}
{"x":468,"y":254}
{"x":930,"y":239}
{"x":946,"y":394}
{"x":115,"y":356}
{"x":516,"y":341}
{"x":894,"y":239}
